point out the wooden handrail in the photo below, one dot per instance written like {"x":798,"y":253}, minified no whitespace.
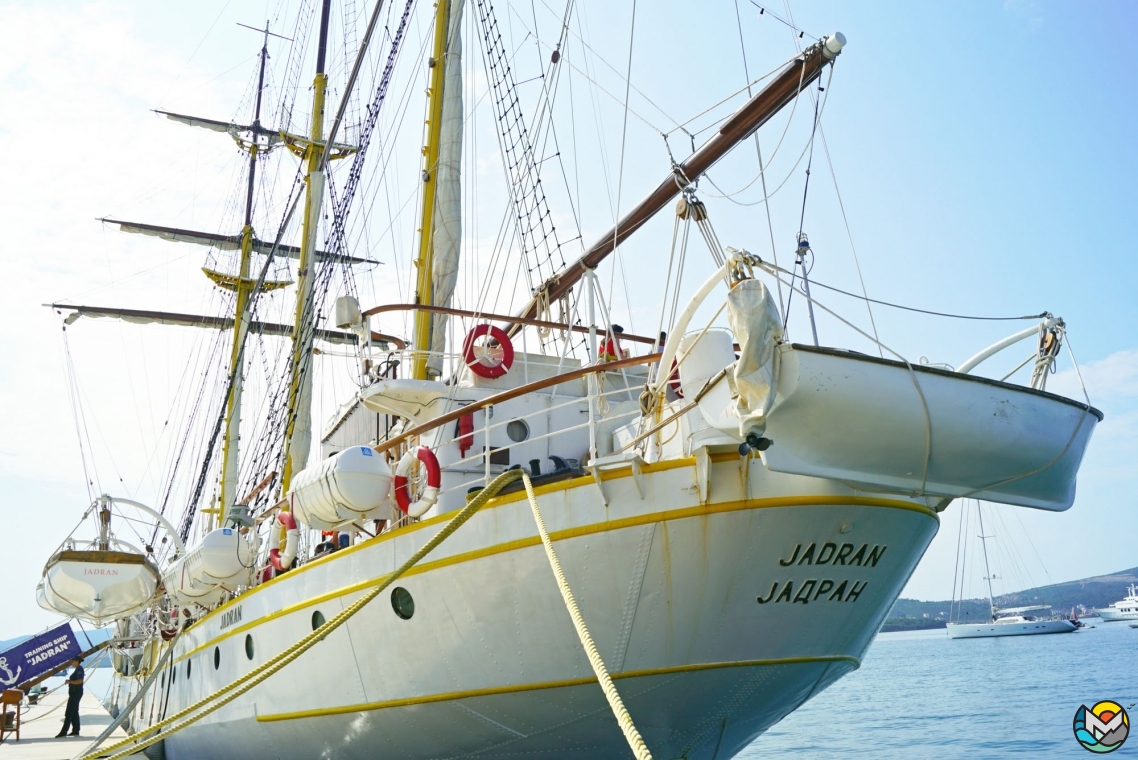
{"x":501,"y":318}
{"x":521,"y":390}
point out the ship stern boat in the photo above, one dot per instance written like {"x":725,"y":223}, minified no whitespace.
{"x":732,"y":514}
{"x":729,"y":568}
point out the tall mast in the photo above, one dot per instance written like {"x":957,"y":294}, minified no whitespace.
{"x":299,"y":434}
{"x":987,"y":570}
{"x":424,"y":288}
{"x":244,"y":286}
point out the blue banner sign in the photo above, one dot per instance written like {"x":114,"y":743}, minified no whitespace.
{"x":38,"y":655}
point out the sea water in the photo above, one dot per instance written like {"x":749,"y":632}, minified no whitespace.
{"x":920,"y":694}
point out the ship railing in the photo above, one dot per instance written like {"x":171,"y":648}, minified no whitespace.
{"x":594,"y":400}
{"x":481,"y":459}
{"x":386,"y":365}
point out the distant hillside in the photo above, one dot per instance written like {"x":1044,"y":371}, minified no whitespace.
{"x":1099,"y":591}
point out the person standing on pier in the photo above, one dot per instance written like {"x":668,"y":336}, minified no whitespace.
{"x":74,"y":694}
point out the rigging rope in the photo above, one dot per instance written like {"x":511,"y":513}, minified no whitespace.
{"x":203,"y":707}
{"x":540,"y":246}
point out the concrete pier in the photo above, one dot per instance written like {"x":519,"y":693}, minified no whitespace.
{"x":40,"y":723}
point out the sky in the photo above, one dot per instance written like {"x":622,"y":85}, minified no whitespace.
{"x":984,"y":155}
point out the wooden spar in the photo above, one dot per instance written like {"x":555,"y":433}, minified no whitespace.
{"x":795,"y":77}
{"x":141,"y":316}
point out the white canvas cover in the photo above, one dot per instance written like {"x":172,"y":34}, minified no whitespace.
{"x":755,"y":321}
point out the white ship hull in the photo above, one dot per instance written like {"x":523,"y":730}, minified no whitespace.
{"x":1109,"y":615}
{"x":1024,"y":628}
{"x":716,"y":620}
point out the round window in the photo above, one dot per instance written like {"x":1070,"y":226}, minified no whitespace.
{"x":173,"y":675}
{"x":249,"y":645}
{"x":216,"y":658}
{"x":518,"y":430}
{"x":402,"y":603}
{"x":189,"y":664}
{"x":162,"y":681}
{"x":317,"y":619}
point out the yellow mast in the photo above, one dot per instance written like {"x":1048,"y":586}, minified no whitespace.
{"x":424,"y":288}
{"x":243,"y":285}
{"x":299,"y":435}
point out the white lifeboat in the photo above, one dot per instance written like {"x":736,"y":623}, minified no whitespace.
{"x":106,"y":579}
{"x":223,"y":561}
{"x":99,"y":586}
{"x":352,"y":485}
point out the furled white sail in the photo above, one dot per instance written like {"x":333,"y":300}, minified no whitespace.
{"x":447,"y":233}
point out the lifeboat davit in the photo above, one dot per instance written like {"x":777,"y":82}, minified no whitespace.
{"x":99,"y":586}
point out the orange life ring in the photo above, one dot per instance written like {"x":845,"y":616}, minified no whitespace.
{"x":402,"y":484}
{"x":480,"y":365}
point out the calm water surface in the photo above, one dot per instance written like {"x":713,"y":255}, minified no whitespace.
{"x":921,"y":694}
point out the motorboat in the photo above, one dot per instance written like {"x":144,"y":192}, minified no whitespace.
{"x":1127,"y":609}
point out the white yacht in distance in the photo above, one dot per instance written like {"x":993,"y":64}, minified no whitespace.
{"x":1127,"y":609}
{"x":1011,"y":621}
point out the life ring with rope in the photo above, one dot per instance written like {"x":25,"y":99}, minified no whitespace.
{"x":490,"y":361}
{"x":430,"y":493}
{"x":282,"y":562}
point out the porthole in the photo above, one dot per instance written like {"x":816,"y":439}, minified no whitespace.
{"x":163,"y":681}
{"x":317,"y":619}
{"x":216,"y":658}
{"x":249,"y":645}
{"x":517,"y":430}
{"x":402,"y":603}
{"x":173,"y":675}
{"x":189,"y":663}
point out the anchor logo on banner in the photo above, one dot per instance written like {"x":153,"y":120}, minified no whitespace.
{"x":11,"y":679}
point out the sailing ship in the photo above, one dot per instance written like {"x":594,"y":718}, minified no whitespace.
{"x":1125,"y":609}
{"x":1008,"y":621}
{"x":734,"y":513}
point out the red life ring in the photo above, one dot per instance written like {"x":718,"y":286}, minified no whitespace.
{"x":430,"y":493}
{"x":282,"y":563}
{"x":486,"y":365}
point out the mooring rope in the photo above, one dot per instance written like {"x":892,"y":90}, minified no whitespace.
{"x":202,"y":708}
{"x":635,"y":740}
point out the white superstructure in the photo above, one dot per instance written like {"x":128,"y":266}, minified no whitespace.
{"x":1126,"y":609}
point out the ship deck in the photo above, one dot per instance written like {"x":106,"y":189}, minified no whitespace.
{"x":41,"y":722}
